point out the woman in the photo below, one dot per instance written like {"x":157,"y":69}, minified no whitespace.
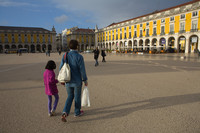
{"x":103,"y":54}
{"x":96,"y":56}
{"x":78,"y":74}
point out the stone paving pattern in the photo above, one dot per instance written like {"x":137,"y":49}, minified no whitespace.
{"x":129,"y":94}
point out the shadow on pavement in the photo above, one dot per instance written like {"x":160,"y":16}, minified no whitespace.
{"x":154,"y":103}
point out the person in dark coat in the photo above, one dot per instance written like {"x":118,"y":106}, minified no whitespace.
{"x":96,"y":56}
{"x":59,"y":51}
{"x":103,"y":54}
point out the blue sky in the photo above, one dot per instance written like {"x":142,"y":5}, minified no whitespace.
{"x":82,"y":13}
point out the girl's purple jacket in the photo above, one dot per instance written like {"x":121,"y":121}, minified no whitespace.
{"x":50,"y":82}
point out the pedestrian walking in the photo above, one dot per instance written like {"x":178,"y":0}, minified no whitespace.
{"x":50,"y":86}
{"x":59,"y":51}
{"x":96,"y":56}
{"x":103,"y":54}
{"x":78,"y":75}
{"x":49,"y":52}
{"x":46,"y":52}
{"x":20,"y":52}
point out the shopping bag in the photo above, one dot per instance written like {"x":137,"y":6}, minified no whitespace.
{"x":64,"y":73}
{"x":85,"y":100}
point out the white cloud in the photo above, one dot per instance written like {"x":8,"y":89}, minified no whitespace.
{"x":61,"y":19}
{"x":7,"y":3}
{"x":105,"y":12}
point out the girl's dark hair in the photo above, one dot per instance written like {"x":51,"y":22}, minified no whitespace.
{"x":73,"y":44}
{"x":50,"y":65}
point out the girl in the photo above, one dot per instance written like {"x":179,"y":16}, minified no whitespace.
{"x":50,"y":86}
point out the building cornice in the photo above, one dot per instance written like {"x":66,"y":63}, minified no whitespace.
{"x":180,"y":9}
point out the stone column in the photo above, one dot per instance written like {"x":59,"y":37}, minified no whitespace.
{"x":166,"y":43}
{"x":132,"y":44}
{"x":198,"y":43}
{"x":143,"y":44}
{"x":187,"y":45}
{"x":176,"y":43}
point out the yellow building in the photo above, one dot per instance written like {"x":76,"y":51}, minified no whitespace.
{"x":34,"y":39}
{"x":85,"y":37}
{"x":176,"y":28}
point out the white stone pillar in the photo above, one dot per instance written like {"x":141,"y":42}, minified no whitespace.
{"x":187,"y":45}
{"x":176,"y":43}
{"x":199,"y":43}
{"x":166,"y":43}
{"x":132,"y":44}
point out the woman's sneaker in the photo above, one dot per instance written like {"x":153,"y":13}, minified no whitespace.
{"x":81,"y":113}
{"x":63,"y":118}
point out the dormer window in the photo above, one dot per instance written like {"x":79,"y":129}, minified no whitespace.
{"x":182,"y":16}
{"x":140,"y":25}
{"x":194,"y":14}
{"x":171,"y":18}
{"x":147,"y":23}
{"x":154,"y":22}
{"x":162,"y":20}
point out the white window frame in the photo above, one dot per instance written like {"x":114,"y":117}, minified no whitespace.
{"x":140,"y":32}
{"x":170,"y":27}
{"x":147,"y":33}
{"x":196,"y":14}
{"x":155,"y":30}
{"x":180,"y":26}
{"x":181,"y":16}
{"x":172,"y":20}
{"x":161,"y":28}
{"x":196,"y":24}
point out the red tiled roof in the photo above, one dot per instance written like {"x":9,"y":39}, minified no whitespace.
{"x":191,"y":2}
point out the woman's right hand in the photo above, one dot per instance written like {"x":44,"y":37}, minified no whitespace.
{"x":86,"y":83}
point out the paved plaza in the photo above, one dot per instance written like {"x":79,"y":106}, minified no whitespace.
{"x":129,"y":94}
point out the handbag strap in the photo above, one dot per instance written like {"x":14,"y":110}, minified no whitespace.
{"x":66,"y":57}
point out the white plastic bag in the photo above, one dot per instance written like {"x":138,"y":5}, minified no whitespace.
{"x":85,"y":100}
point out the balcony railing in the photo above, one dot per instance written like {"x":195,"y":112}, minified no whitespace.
{"x":182,"y":31}
{"x":135,"y":36}
{"x":162,"y":33}
{"x":141,"y":36}
{"x":171,"y":32}
{"x":147,"y":35}
{"x":193,"y":30}
{"x":154,"y":34}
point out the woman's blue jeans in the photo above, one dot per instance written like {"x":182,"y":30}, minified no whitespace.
{"x":73,"y":93}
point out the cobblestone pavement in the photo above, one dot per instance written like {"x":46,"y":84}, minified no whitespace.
{"x":129,"y":94}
